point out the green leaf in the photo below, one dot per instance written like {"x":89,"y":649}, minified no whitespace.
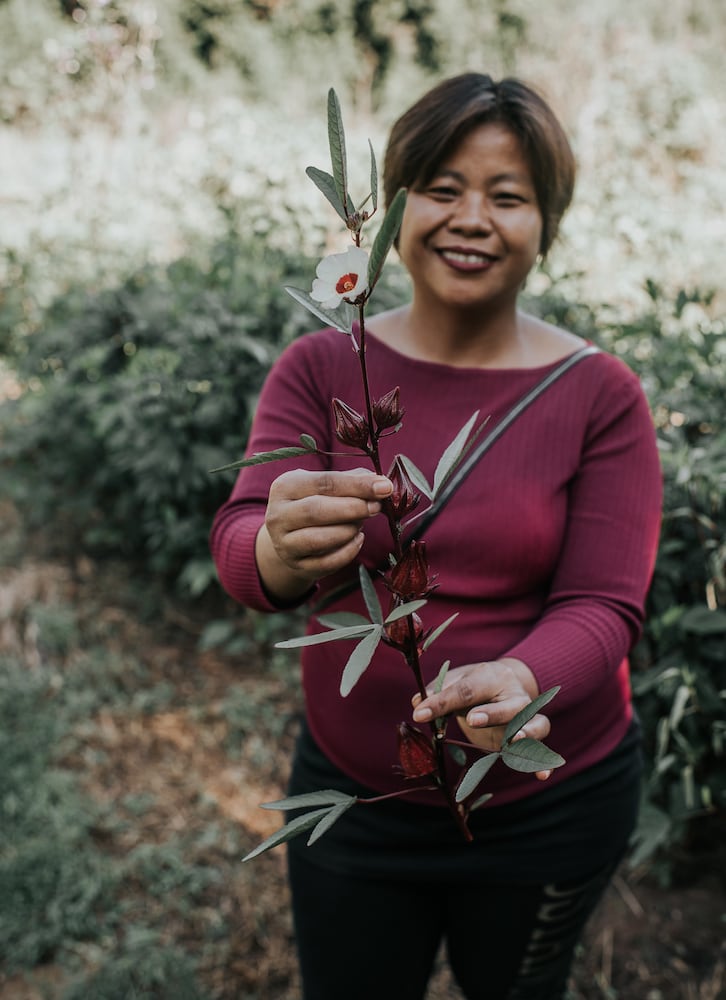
{"x":438,"y":630}
{"x":404,"y":609}
{"x":385,"y":237}
{"x":308,"y":442}
{"x":528,"y":712}
{"x":325,"y":797}
{"x":370,"y":596}
{"x":336,"y":139}
{"x":340,"y":319}
{"x":439,"y":682}
{"x":374,"y":177}
{"x":478,"y":770}
{"x":326,"y":183}
{"x":263,"y":456}
{"x":417,"y":477}
{"x":342,"y":619}
{"x":290,"y":830}
{"x":453,"y":453}
{"x":480,"y":801}
{"x":529,"y":755}
{"x":327,"y":821}
{"x":703,"y":621}
{"x":359,"y":661}
{"x":457,"y":754}
{"x":351,"y":632}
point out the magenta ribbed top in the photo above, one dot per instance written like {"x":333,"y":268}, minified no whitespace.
{"x":546,"y":551}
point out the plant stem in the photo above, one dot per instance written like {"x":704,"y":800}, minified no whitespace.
{"x":412,"y":657}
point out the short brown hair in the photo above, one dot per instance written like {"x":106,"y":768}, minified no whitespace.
{"x":435,"y":125}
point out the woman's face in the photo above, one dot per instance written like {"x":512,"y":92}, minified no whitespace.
{"x":472,"y":234}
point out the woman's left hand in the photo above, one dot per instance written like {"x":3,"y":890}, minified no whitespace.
{"x":484,"y":697}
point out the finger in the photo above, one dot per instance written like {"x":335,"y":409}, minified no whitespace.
{"x":362,"y":483}
{"x":464,"y":695}
{"x":329,"y":562}
{"x":318,"y":542}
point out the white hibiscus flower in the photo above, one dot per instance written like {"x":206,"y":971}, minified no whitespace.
{"x":340,"y":276}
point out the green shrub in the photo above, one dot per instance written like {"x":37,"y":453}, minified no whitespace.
{"x":133,"y":394}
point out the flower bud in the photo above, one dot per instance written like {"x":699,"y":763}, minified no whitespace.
{"x":404,"y":497}
{"x":398,"y":634}
{"x":409,"y":578}
{"x":415,"y":752}
{"x":350,"y":426}
{"x":387,"y":411}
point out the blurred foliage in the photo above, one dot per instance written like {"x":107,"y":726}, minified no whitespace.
{"x":131,"y":395}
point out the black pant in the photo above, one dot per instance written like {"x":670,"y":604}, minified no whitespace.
{"x":362,"y":938}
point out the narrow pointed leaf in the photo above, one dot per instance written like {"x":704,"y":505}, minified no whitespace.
{"x":441,"y":677}
{"x":528,"y":712}
{"x":327,"y":821}
{"x":308,"y":442}
{"x":453,"y":453}
{"x":438,"y":630}
{"x":359,"y":661}
{"x":342,"y":619}
{"x":457,"y":754}
{"x":370,"y":596}
{"x":374,"y":177}
{"x":417,"y":477}
{"x":478,"y":770}
{"x":263,"y":456}
{"x":351,"y":632}
{"x":290,"y":830}
{"x":340,"y":319}
{"x":404,"y":609}
{"x":385,"y":237}
{"x":324,"y":182}
{"x":324,"y":797}
{"x":336,"y":139}
{"x":480,"y":801}
{"x":529,"y":755}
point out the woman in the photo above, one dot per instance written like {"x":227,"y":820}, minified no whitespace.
{"x":545,"y":552}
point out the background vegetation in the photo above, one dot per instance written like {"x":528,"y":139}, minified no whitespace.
{"x":154,"y":201}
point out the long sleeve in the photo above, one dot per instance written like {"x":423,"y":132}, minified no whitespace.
{"x":594,"y":610}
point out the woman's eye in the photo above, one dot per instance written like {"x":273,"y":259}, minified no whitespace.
{"x":442,"y":191}
{"x":509,"y":198}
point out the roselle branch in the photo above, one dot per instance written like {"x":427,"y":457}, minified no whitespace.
{"x":411,"y":648}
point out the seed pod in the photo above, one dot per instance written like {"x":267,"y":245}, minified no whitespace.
{"x":404,"y":497}
{"x":351,"y":427}
{"x":415,"y":753}
{"x":387,"y":411}
{"x":409,"y":578}
{"x":397,"y":633}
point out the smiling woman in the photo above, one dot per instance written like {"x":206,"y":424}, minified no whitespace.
{"x":543,"y":557}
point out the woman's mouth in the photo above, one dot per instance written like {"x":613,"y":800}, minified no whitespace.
{"x":466,"y":260}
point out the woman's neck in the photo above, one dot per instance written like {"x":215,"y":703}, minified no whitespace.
{"x":454,"y":338}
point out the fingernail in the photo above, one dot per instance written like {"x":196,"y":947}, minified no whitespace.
{"x":422,"y":714}
{"x":360,"y":538}
{"x":373,"y":507}
{"x":478,"y":719}
{"x":382,"y":486}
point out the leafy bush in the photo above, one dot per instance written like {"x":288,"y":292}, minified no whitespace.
{"x":133,"y":394}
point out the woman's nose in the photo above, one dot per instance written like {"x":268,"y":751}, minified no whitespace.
{"x":471,"y":215}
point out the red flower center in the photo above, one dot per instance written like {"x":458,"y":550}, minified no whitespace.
{"x":346,"y":284}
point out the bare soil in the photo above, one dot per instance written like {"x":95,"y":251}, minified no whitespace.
{"x":646,"y":942}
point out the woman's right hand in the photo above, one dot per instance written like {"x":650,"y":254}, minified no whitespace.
{"x":313,"y":526}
